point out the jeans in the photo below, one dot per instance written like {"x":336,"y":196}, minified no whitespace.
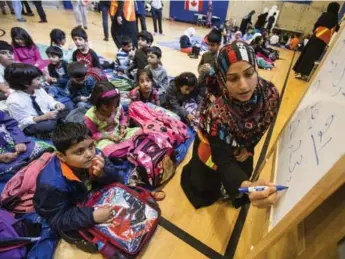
{"x":157,"y":15}
{"x":105,"y":11}
{"x":18,"y":8}
{"x":39,"y":8}
{"x":80,"y":14}
{"x":142,"y":18}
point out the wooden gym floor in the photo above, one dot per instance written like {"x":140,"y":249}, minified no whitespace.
{"x":212,"y":226}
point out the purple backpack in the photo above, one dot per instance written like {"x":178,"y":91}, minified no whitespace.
{"x":13,"y":238}
{"x":154,"y":159}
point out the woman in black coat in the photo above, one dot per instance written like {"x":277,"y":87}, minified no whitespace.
{"x":247,"y":20}
{"x":324,"y":28}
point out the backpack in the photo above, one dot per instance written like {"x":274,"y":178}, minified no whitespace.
{"x":97,"y":73}
{"x":135,"y":218}
{"x":13,"y":236}
{"x":154,"y":159}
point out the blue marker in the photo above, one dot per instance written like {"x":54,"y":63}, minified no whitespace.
{"x":260,"y":188}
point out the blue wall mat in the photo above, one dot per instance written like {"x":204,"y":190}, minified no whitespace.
{"x":300,"y":2}
{"x":342,"y":11}
{"x":177,"y":11}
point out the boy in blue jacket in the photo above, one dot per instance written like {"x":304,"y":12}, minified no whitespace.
{"x":76,"y":169}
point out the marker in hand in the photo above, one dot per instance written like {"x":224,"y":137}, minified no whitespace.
{"x":260,"y":188}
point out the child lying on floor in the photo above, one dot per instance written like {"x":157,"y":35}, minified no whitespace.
{"x":76,"y":169}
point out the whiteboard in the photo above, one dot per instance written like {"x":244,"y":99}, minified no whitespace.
{"x":314,"y":138}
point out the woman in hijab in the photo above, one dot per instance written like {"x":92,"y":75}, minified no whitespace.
{"x":229,"y":129}
{"x":247,"y":20}
{"x":186,"y":40}
{"x":260,"y":23}
{"x":324,"y":28}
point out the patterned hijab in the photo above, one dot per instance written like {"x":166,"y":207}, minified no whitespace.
{"x":235,"y":122}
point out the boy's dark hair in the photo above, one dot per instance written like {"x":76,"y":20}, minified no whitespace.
{"x":256,"y":40}
{"x":215,"y":36}
{"x":56,"y":36}
{"x":54,"y":50}
{"x":102,"y":87}
{"x":79,"y":32}
{"x":156,"y":51}
{"x":69,"y":133}
{"x":4,"y":45}
{"x":125,"y":40}
{"x":186,"y":78}
{"x":76,"y":70}
{"x":145,"y":35}
{"x":144,"y":71}
{"x":19,"y":75}
{"x":20,"y":33}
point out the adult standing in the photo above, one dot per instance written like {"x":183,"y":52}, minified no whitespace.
{"x":229,"y":129}
{"x":141,"y":14}
{"x":271,"y":21}
{"x":40,"y":11}
{"x":80,"y":13}
{"x":209,"y":14}
{"x":247,"y":20}
{"x":28,"y":11}
{"x":104,"y":6}
{"x":124,"y":22}
{"x":261,"y":21}
{"x":18,"y":8}
{"x":156,"y":10}
{"x":324,"y":29}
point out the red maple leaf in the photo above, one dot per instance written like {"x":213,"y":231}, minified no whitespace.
{"x":194,"y":3}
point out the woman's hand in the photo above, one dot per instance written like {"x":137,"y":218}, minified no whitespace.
{"x":262,"y":199}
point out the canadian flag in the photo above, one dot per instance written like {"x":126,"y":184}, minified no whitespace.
{"x":193,"y":5}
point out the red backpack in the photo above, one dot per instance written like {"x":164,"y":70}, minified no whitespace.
{"x":154,"y":159}
{"x":135,"y":218}
{"x":97,"y":73}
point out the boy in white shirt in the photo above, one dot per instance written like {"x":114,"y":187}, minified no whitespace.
{"x":36,"y":112}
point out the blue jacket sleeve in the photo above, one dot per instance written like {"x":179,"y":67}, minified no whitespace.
{"x":54,"y":206}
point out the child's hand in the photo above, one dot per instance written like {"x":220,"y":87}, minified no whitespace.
{"x":59,"y":106}
{"x":103,"y":214}
{"x":84,"y":99}
{"x":97,"y":166}
{"x":206,"y":68}
{"x":114,"y":139}
{"x":263,"y":199}
{"x":51,"y":115}
{"x":54,"y":80}
{"x":191,"y":117}
{"x":20,"y":148}
{"x":123,"y":131}
{"x":8,"y":157}
{"x":5,"y":89}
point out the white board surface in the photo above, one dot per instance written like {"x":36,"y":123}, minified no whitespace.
{"x":314,"y":138}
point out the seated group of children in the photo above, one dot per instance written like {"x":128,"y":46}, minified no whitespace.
{"x":39,"y":96}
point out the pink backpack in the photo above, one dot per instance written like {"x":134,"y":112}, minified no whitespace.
{"x":154,"y":159}
{"x":20,"y":189}
{"x":153,"y":121}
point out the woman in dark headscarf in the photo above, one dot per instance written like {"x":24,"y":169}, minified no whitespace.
{"x":324,"y":28}
{"x":247,"y":20}
{"x":260,"y":23}
{"x":230,"y":127}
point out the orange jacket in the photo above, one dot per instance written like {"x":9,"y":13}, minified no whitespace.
{"x":128,"y":10}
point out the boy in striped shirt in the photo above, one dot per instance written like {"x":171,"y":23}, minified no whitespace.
{"x":124,"y":55}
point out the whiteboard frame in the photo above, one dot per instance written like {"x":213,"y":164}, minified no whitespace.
{"x":327,"y":185}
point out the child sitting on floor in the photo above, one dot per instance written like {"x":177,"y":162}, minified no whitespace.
{"x":76,"y":169}
{"x":145,"y":40}
{"x":59,"y":77}
{"x":25,"y":50}
{"x":160,"y":75}
{"x":186,"y":40}
{"x":16,"y":150}
{"x":106,"y":118}
{"x":80,"y":85}
{"x":124,"y":55}
{"x":183,"y":98}
{"x":144,"y":91}
{"x":58,"y":39}
{"x":83,"y":53}
{"x":6,"y":58}
{"x":36,"y":111}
